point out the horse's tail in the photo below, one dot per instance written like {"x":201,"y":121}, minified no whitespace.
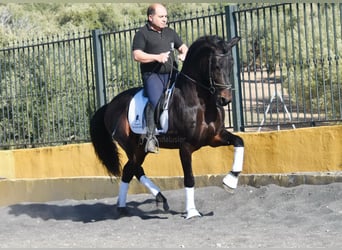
{"x":105,"y":148}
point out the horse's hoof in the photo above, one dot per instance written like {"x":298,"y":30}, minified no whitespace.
{"x":122,"y":211}
{"x":192,"y":213}
{"x":230,"y":181}
{"x":228,"y":189}
{"x":161,"y":198}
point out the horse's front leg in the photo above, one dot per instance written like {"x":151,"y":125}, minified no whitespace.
{"x":230,"y":181}
{"x":186,"y":151}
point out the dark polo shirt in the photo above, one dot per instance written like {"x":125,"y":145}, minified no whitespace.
{"x":153,"y":42}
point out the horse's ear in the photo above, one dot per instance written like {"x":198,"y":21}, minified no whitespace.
{"x":234,"y":41}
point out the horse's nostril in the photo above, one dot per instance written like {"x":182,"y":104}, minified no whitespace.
{"x":222,"y":101}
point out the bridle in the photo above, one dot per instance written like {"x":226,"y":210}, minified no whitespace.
{"x":213,"y":86}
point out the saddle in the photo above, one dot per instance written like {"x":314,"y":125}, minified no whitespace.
{"x":136,"y":112}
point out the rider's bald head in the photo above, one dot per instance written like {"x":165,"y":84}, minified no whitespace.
{"x":151,"y":10}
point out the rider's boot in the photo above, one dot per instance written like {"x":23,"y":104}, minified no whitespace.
{"x":152,"y":142}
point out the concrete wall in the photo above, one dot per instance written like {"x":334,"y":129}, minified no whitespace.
{"x":300,"y":150}
{"x":73,"y":171}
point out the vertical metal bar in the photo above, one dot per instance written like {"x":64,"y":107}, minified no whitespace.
{"x":126,"y":55}
{"x":120,"y":63}
{"x":2,"y":115}
{"x":59,"y":100}
{"x":106,"y":68}
{"x":337,"y":58}
{"x":246,"y":81}
{"x":27,"y":105}
{"x":15,"y":100}
{"x":98,"y":61}
{"x":116,"y":55}
{"x":280,"y":65}
{"x":82,"y":113}
{"x":6,"y":97}
{"x":330,"y":76}
{"x":314,"y":59}
{"x":287,"y":60}
{"x":91,"y":83}
{"x":268,"y":62}
{"x":273,"y":68}
{"x":294,"y":62}
{"x":12,"y":87}
{"x":253,"y":64}
{"x":68,"y":89}
{"x":54,"y":105}
{"x":300,"y":62}
{"x":236,"y":105}
{"x":321,"y":59}
{"x":258,"y":48}
{"x":46,"y":118}
{"x":134,"y":65}
{"x":307,"y":61}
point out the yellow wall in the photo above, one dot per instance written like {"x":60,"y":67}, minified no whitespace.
{"x":299,"y":150}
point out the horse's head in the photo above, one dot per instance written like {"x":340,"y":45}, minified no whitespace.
{"x":212,"y":58}
{"x":220,"y":68}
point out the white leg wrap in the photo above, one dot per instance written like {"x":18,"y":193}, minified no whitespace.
{"x":238,"y":159}
{"x":149,"y":185}
{"x":190,"y":198}
{"x":122,"y":194}
{"x":191,"y":210}
{"x":231,"y":181}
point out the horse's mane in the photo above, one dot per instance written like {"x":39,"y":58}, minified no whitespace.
{"x":203,"y":46}
{"x":196,"y":60}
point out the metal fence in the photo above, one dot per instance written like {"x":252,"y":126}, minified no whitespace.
{"x":288,"y":72}
{"x":46,"y":91}
{"x":291,"y":70}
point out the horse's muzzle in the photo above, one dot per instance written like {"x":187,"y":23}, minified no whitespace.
{"x":224,"y":98}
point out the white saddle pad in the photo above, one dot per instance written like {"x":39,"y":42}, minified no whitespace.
{"x":136,"y":116}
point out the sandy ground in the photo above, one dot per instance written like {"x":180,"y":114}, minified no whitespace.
{"x":269,"y":216}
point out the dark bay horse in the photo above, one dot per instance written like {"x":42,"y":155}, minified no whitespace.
{"x":195,"y":119}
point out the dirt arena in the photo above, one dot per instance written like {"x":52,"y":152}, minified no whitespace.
{"x":269,"y":216}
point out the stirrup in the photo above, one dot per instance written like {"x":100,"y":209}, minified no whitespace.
{"x":152,"y":145}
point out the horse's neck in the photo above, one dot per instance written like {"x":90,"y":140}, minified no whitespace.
{"x":188,"y":91}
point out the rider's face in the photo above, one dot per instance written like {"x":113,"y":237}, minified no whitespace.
{"x":159,"y":19}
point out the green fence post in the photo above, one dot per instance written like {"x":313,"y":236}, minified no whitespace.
{"x":98,"y":63}
{"x":238,"y":122}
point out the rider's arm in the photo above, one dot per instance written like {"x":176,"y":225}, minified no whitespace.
{"x":143,"y":57}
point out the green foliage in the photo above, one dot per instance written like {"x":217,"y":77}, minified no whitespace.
{"x":21,"y":21}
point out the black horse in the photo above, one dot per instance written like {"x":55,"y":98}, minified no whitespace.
{"x":193,"y":117}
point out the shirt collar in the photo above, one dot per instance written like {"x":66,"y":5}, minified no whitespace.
{"x":149,"y":26}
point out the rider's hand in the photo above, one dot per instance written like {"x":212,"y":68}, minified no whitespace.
{"x":181,"y":57}
{"x":163,"y":57}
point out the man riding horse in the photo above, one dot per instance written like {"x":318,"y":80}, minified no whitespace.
{"x":153,"y":47}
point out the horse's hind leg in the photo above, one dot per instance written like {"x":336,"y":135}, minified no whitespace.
{"x":129,"y":171}
{"x":127,"y":175}
{"x":154,"y":190}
